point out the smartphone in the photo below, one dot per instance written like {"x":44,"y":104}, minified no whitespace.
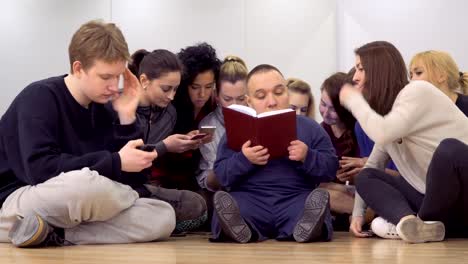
{"x":198,"y":136}
{"x":147,"y":147}
{"x":121,"y":83}
{"x":368,"y":233}
{"x":207,"y":129}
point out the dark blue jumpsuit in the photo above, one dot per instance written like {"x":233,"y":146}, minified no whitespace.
{"x":271,"y":197}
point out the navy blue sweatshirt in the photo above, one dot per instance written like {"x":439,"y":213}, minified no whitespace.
{"x":280,"y":176}
{"x":45,"y":131}
{"x":462,"y":103}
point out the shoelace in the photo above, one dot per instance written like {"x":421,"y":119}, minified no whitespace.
{"x":55,"y":240}
{"x":392,"y":231}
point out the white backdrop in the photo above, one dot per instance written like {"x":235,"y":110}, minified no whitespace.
{"x":308,"y":39}
{"x":35,"y":37}
{"x":298,"y":38}
{"x":412,"y":26}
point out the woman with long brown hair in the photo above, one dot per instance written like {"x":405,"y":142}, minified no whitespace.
{"x":409,"y":124}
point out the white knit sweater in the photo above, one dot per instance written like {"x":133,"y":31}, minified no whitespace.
{"x":421,"y":117}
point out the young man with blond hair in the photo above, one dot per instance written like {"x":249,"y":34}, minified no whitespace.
{"x":69,"y":161}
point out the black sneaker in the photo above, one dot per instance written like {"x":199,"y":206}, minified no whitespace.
{"x":33,"y":231}
{"x":230,"y":219}
{"x":316,"y":207}
{"x":190,"y":207}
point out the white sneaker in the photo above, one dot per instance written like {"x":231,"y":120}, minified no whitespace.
{"x":414,"y":230}
{"x":384,"y":229}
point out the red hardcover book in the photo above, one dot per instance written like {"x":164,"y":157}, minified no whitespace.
{"x":274,"y":130}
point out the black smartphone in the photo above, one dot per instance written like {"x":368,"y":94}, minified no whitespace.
{"x":198,"y":136}
{"x":147,"y":147}
{"x":368,"y":233}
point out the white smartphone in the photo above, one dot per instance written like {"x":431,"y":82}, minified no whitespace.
{"x":207,"y":129}
{"x":121,"y":83}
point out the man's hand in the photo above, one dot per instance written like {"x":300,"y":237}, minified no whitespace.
{"x":256,"y":155}
{"x":133,"y":159}
{"x":126,"y":103}
{"x":298,"y":150}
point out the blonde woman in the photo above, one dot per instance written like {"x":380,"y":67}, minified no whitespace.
{"x":230,"y":89}
{"x":439,"y":68}
{"x":301,"y":99}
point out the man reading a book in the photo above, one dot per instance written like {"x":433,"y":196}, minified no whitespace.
{"x":274,"y":197}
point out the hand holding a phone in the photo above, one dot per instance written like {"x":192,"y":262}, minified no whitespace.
{"x":356,"y":227}
{"x":203,"y":136}
{"x":209,"y":132}
{"x":133,"y":159}
{"x":179,"y":143}
{"x":349,"y":168}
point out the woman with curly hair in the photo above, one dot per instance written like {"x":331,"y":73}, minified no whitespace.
{"x":193,"y":101}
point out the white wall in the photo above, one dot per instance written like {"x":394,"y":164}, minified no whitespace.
{"x":412,"y":26}
{"x":35,"y":37}
{"x":308,"y":39}
{"x":298,"y":38}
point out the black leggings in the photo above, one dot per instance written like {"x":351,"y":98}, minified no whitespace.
{"x":446,"y":196}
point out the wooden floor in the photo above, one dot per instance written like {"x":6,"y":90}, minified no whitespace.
{"x":196,"y":249}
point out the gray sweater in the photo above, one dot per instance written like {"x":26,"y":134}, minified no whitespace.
{"x":209,"y":150}
{"x":157,"y":123}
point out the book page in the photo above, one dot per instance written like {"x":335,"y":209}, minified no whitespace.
{"x":276,"y":112}
{"x":243,"y":109}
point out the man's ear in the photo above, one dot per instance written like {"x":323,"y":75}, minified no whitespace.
{"x":77,"y":69}
{"x":249,"y":100}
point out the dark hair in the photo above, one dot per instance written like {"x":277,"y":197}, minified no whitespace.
{"x":350,"y":74}
{"x":154,"y":64}
{"x":385,"y":74}
{"x":196,"y":59}
{"x":332,"y":85}
{"x":232,"y":70}
{"x":261,"y":69}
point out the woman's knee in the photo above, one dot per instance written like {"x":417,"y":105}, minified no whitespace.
{"x":450,"y":149}
{"x":363,"y":177}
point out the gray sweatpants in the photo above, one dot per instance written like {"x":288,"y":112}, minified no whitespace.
{"x":91,"y":208}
